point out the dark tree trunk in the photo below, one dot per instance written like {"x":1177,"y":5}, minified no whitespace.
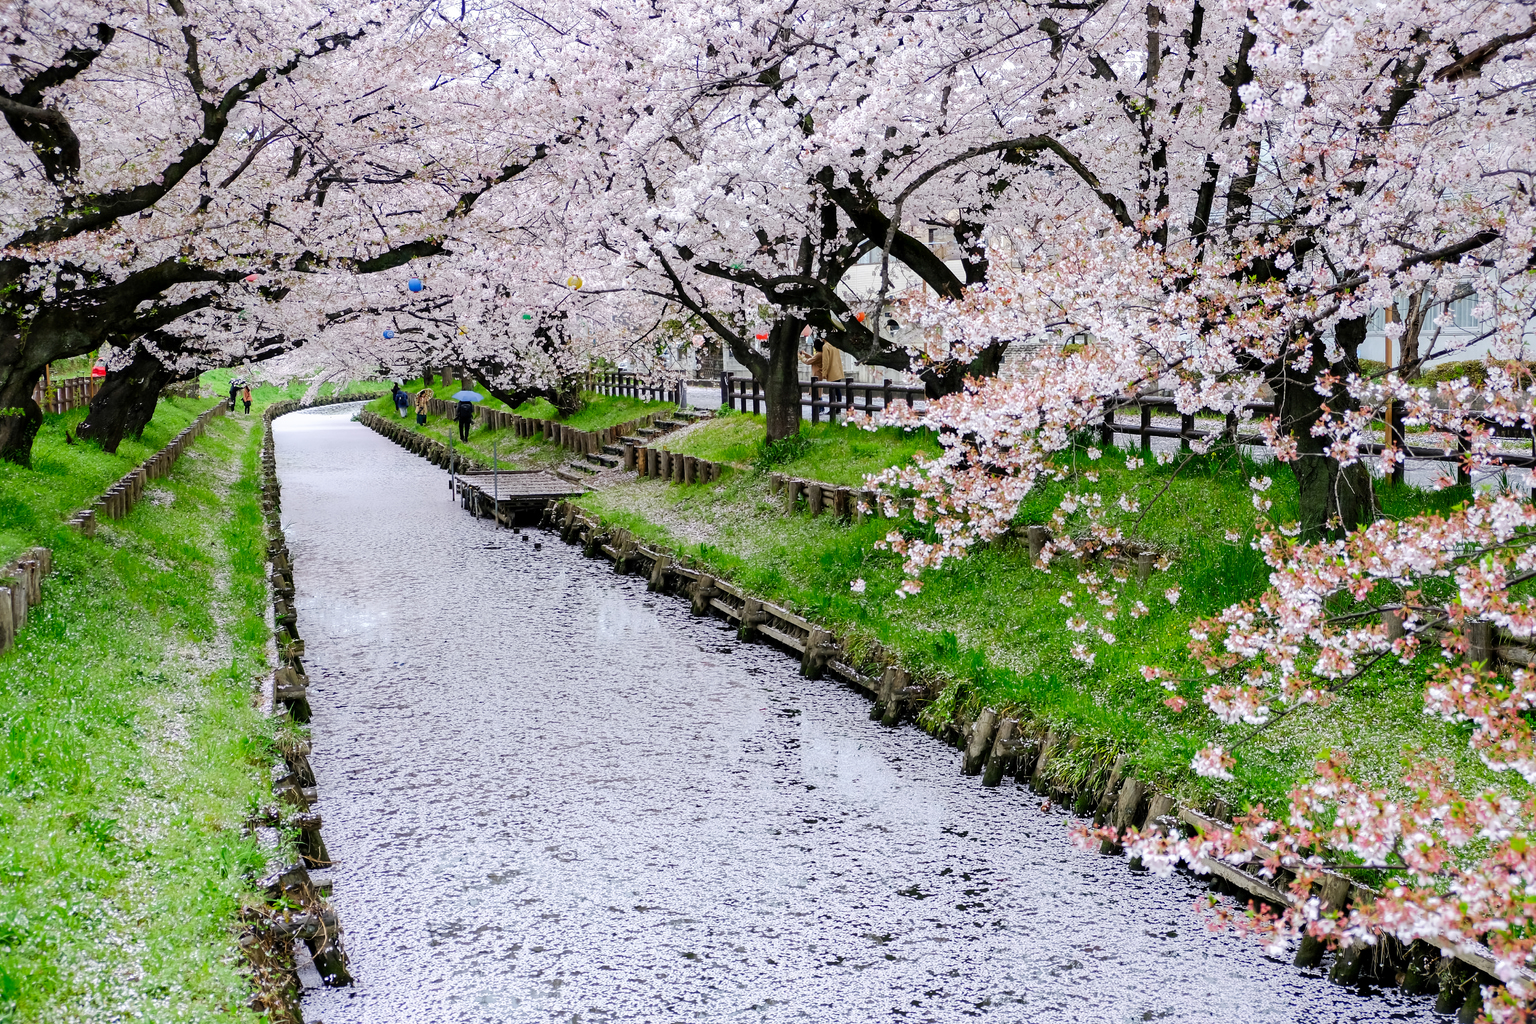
{"x":126,"y":401}
{"x":1334,"y":498}
{"x":20,"y":417}
{"x":781,"y":383}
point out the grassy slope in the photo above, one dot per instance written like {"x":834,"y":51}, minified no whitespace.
{"x":832,"y":454}
{"x":992,"y":625}
{"x":133,"y":752}
{"x":524,"y":453}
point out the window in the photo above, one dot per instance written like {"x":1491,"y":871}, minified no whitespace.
{"x":933,"y":236}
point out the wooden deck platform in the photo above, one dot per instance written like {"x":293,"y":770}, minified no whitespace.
{"x":511,"y":495}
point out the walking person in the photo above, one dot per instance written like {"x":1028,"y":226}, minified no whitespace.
{"x":402,"y":400}
{"x":422,"y":398}
{"x":245,"y":396}
{"x":465,"y":416}
{"x":234,"y":393}
{"x":832,"y":368}
{"x":826,"y":365}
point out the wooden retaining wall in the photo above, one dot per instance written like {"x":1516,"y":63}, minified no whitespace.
{"x":118,"y":500}
{"x":21,"y":589}
{"x":21,"y":580}
{"x":298,"y":908}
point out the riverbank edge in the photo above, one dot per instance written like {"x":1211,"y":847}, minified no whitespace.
{"x":1085,"y":779}
{"x":298,"y":903}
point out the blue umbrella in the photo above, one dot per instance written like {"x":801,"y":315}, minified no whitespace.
{"x":468,"y":396}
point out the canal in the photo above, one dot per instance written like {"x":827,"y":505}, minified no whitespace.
{"x":552,"y":796}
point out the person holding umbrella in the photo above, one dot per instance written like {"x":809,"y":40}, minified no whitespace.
{"x":422,"y":398}
{"x":234,"y":391}
{"x":465,"y":413}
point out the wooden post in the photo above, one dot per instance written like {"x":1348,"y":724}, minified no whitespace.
{"x":815,"y":411}
{"x":629,"y":458}
{"x":842,"y":501}
{"x":1001,"y":754}
{"x":980,"y":742}
{"x":900,"y":679}
{"x":1047,"y":751}
{"x":813,"y":496}
{"x":18,"y":589}
{"x":1144,"y":560}
{"x":1332,"y":893}
{"x":690,"y":469}
{"x":1186,"y":428}
{"x":725,"y":389}
{"x":1107,"y":428}
{"x":658,"y":581}
{"x":1392,"y":622}
{"x":752,"y":616}
{"x":1038,"y":536}
{"x":7,"y":622}
{"x":703,"y":590}
{"x":1480,"y":644}
{"x":791,"y":494}
{"x":813,"y":661}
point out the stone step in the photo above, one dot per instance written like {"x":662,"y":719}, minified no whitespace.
{"x":607,"y":461}
{"x":612,"y":449}
{"x":649,"y":432}
{"x":581,"y":467}
{"x":694,"y":415}
{"x":638,"y":442}
{"x":666,"y":425}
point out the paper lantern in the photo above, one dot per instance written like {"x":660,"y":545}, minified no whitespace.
{"x":527,"y":316}
{"x":573,"y":282}
{"x":762,"y":337}
{"x":414,"y":284}
{"x":859,"y":316}
{"x":251,"y":278}
{"x":388,"y":335}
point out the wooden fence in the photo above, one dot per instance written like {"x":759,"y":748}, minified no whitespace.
{"x":628,"y":385}
{"x":1185,"y":432}
{"x":64,"y":395}
{"x":746,"y":394}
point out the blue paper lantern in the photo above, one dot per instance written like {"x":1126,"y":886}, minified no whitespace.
{"x":388,"y":335}
{"x":415,"y":284}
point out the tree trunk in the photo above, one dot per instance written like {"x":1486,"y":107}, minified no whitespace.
{"x":1334,"y":499}
{"x":20,"y":417}
{"x":782,"y":383}
{"x":126,"y":401}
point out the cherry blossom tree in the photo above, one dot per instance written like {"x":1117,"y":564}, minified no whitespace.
{"x":182,"y":157}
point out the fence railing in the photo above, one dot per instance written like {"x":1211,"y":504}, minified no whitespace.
{"x":64,"y":395}
{"x":818,"y":397}
{"x":628,"y":385}
{"x":1186,"y":433}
